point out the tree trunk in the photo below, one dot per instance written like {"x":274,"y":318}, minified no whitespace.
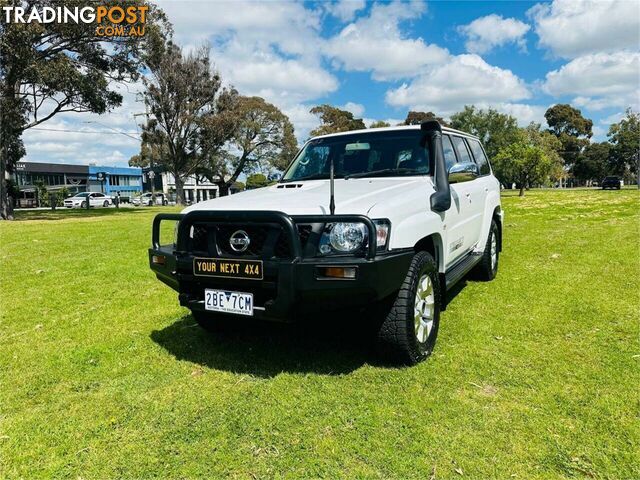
{"x":179,"y":189}
{"x":521,"y":194}
{"x":223,"y":189}
{"x":6,"y":205}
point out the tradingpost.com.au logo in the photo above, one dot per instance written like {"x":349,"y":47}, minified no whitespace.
{"x":110,"y":21}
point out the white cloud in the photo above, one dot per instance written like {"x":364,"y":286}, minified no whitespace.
{"x":598,"y":80}
{"x":465,"y":80}
{"x":524,"y":113}
{"x":491,"y":31}
{"x":376,"y":43}
{"x":356,"y":108}
{"x":345,"y":10}
{"x":265,"y":73}
{"x":289,"y":25}
{"x":570,"y":28}
{"x":303,"y":120}
{"x":270,"y":49}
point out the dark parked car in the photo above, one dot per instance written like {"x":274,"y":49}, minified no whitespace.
{"x":611,"y":182}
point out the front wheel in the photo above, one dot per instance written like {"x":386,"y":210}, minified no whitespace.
{"x":83,"y":205}
{"x":106,"y":203}
{"x":409,"y":331}
{"x":215,"y":323}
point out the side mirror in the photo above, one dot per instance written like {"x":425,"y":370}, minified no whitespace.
{"x":463,"y":172}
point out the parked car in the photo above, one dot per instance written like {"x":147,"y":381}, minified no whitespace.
{"x":96,"y":199}
{"x":147,"y":199}
{"x":611,"y":182}
{"x":381,"y":222}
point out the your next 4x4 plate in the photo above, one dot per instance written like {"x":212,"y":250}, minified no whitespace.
{"x":228,"y":268}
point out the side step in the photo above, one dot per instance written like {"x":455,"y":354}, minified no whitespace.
{"x":460,"y":269}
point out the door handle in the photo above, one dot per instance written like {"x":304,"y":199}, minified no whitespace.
{"x":468,"y":195}
{"x":486,"y":189}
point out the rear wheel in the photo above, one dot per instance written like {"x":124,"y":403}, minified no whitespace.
{"x":488,"y":266}
{"x":409,"y":331}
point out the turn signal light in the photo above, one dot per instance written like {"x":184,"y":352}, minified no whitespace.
{"x":158,"y":259}
{"x":347,"y":273}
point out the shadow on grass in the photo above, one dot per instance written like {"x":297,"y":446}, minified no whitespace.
{"x":265,"y":349}
{"x":64,"y":213}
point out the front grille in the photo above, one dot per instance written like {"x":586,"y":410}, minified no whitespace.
{"x":266,"y":241}
{"x":257,"y":236}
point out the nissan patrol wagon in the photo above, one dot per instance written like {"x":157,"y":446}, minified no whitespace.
{"x":380,"y":220}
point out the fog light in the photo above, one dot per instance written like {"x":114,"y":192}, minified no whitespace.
{"x":158,"y":259}
{"x":347,"y":273}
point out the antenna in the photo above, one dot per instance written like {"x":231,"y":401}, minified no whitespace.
{"x":332,"y":201}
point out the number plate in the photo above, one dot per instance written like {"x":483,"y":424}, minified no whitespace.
{"x":239,"y":303}
{"x":228,"y":268}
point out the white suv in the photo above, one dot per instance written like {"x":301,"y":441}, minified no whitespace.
{"x":380,"y":221}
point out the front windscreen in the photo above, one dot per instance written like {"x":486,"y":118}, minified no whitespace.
{"x":384,"y":154}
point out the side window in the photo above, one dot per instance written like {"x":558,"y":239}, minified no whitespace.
{"x":449,"y":155}
{"x":461,"y":149}
{"x":480,"y":157}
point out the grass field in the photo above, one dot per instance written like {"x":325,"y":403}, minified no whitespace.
{"x":535,"y":375}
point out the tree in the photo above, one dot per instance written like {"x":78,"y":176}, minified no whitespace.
{"x":52,"y":68}
{"x":257,"y":180}
{"x":379,"y":124}
{"x":263,"y":137}
{"x":625,"y":151}
{"x":571,"y":128}
{"x":531,"y":159}
{"x":496,"y":130}
{"x":335,"y":120}
{"x":593,"y":162}
{"x":416,"y":118}
{"x":182,"y":95}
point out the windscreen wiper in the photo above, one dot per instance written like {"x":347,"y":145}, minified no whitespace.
{"x":383,"y":171}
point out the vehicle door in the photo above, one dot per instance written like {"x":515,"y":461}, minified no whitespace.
{"x":453,"y":224}
{"x":96,"y":199}
{"x":466,"y":211}
{"x":485,"y":182}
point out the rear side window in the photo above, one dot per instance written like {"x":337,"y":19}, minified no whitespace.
{"x":449,"y":154}
{"x":480,"y":157}
{"x":461,"y":148}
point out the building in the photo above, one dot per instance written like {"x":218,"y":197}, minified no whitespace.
{"x":196,"y":187}
{"x":75,"y":178}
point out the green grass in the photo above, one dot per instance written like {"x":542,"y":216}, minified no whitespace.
{"x":535,"y":375}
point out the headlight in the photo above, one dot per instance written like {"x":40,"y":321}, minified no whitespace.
{"x":347,"y":237}
{"x":350,"y":237}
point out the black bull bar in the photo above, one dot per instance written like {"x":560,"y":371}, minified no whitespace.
{"x":256,"y":218}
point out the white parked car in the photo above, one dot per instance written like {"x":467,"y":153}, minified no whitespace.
{"x":147,"y":199}
{"x":379,"y":222}
{"x":96,"y":199}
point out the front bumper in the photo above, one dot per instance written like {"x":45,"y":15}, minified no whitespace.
{"x":290,"y":286}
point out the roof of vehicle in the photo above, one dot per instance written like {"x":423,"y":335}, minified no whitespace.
{"x":398,"y":127}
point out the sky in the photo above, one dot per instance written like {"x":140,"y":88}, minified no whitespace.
{"x":381,"y":59}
